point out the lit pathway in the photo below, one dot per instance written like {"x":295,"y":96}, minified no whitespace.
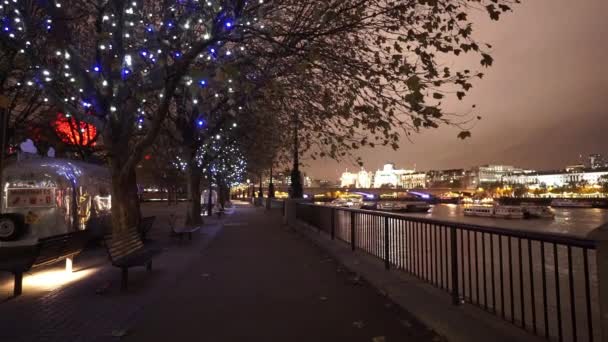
{"x":258,"y":281}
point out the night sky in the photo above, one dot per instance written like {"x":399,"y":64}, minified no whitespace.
{"x":543,"y":103}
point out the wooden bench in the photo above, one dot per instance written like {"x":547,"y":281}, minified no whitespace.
{"x":181,"y":231}
{"x":145,"y":225}
{"x":20,"y":259}
{"x":126,"y":250}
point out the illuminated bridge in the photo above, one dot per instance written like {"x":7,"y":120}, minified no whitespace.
{"x":335,"y":192}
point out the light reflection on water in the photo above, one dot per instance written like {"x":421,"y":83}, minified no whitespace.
{"x":571,"y":221}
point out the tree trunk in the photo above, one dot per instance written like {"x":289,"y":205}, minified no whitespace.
{"x":210,"y":197}
{"x":125,"y":201}
{"x":223,"y":193}
{"x":193,"y":215}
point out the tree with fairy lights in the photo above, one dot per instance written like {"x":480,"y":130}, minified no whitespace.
{"x":224,"y":163}
{"x":345,"y":66}
{"x":194,"y":124}
{"x":123,"y":61}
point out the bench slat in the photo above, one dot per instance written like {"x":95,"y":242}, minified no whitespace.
{"x":124,"y":245}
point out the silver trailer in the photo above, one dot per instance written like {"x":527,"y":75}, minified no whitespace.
{"x":45,"y":197}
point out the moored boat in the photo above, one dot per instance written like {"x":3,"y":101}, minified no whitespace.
{"x":537,"y":211}
{"x":496,"y":211}
{"x":509,"y":212}
{"x":479,"y":210}
{"x":404,"y":207}
{"x":568,"y":203}
{"x":354,"y":203}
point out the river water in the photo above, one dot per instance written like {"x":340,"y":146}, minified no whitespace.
{"x":570,"y":221}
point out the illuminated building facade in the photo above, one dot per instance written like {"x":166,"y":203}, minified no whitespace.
{"x":390,"y":177}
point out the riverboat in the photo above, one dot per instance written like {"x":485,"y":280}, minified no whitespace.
{"x":568,"y":203}
{"x":404,"y":207}
{"x":349,"y":202}
{"x":537,"y":211}
{"x":496,"y":211}
{"x":479,"y":210}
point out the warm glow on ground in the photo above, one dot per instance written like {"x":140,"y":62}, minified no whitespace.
{"x":52,"y":279}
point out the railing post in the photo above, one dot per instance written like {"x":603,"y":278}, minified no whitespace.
{"x":600,"y":235}
{"x":318,"y":215}
{"x":454,"y":261}
{"x":387,"y":263}
{"x":352,"y":230}
{"x":333,"y":223}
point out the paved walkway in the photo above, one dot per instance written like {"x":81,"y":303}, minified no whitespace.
{"x":243,"y":278}
{"x":258,"y":281}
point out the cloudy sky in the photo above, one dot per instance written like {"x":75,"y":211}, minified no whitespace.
{"x":543,"y":103}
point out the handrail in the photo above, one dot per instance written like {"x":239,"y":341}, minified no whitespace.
{"x":565,"y":239}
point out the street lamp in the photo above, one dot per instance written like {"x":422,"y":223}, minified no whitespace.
{"x":296,"y":176}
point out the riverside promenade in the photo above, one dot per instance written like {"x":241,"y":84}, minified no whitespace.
{"x":245,"y":277}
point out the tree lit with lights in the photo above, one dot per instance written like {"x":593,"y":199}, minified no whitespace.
{"x":344,"y":66}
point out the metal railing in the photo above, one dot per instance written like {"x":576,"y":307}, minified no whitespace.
{"x":544,"y":283}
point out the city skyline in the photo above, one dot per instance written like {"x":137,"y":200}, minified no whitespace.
{"x":541,"y":103}
{"x":588,"y":161}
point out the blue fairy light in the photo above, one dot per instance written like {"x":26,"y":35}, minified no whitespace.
{"x":125,"y":73}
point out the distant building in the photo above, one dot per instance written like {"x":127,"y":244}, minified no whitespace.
{"x":413,"y":180}
{"x":489,"y":174}
{"x":325,"y":183}
{"x":283,"y":179}
{"x":348,"y":179}
{"x":445,"y":178}
{"x":364,"y":179}
{"x":307,"y":182}
{"x":575,"y":168}
{"x":361,"y":179}
{"x":390,"y":177}
{"x":596,"y":161}
{"x":557,"y":178}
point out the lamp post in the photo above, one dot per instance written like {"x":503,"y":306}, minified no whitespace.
{"x":248,"y":188}
{"x":271,"y":185}
{"x":4,"y":103}
{"x":270,"y":191}
{"x":296,"y":176}
{"x":260,"y":190}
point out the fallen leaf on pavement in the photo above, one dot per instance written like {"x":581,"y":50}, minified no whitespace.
{"x":103,"y":289}
{"x":358,"y":324}
{"x":379,"y":339}
{"x":406,"y":324}
{"x":119,"y":333}
{"x":356,"y":280}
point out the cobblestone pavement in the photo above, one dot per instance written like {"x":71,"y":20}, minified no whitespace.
{"x":258,"y":281}
{"x":92,"y":307}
